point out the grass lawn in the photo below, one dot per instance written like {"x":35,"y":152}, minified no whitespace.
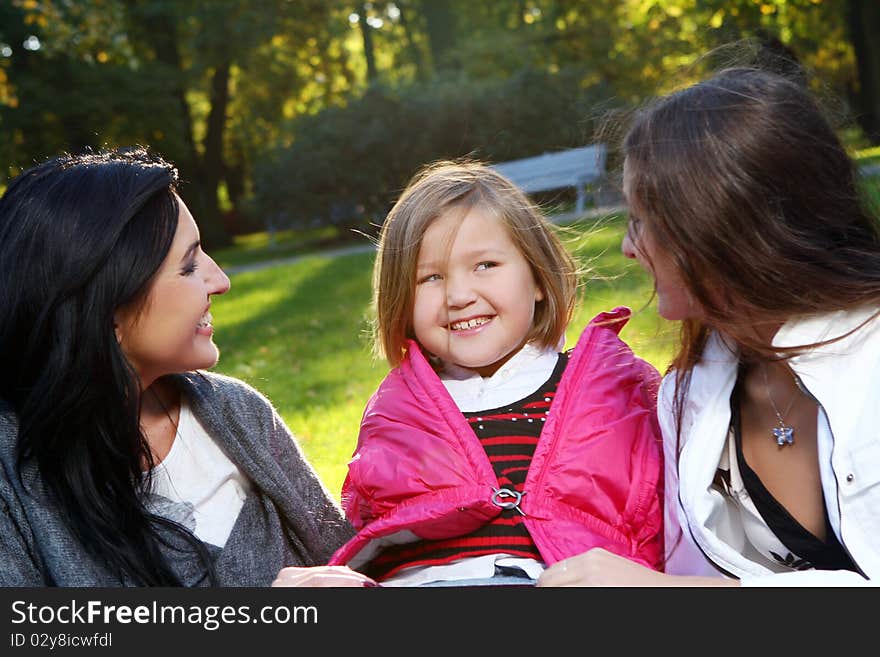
{"x":298,"y":333}
{"x":260,"y":247}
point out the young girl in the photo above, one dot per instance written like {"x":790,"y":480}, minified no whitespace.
{"x":486,"y":454}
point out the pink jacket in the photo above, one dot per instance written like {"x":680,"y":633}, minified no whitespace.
{"x":594,"y":481}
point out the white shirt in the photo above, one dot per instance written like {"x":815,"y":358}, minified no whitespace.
{"x":519,"y":377}
{"x":196,"y":484}
{"x":523,"y":374}
{"x":843,"y":376}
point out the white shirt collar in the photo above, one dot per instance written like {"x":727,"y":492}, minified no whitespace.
{"x":519,"y":377}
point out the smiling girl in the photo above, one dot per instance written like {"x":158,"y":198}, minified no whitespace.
{"x":487,"y":453}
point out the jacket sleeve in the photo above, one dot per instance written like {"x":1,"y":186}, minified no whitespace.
{"x":260,"y":443}
{"x":310,"y":488}
{"x":19,"y":565}
{"x":354,"y":503}
{"x":649,"y":537}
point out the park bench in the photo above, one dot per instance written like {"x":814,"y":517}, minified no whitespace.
{"x":578,"y":168}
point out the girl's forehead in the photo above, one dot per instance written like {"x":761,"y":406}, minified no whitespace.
{"x":466,"y":228}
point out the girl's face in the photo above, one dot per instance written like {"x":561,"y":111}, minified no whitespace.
{"x":475,"y":292}
{"x":171,"y":330}
{"x":674,"y":302}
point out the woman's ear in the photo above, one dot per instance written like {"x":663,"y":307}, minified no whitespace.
{"x":539,"y":294}
{"x":121,"y":319}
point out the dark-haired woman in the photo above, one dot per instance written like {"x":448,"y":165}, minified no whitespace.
{"x":121,"y":462}
{"x":745,"y":209}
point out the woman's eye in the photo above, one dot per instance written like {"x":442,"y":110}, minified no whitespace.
{"x":634,"y":226}
{"x":190,"y":268}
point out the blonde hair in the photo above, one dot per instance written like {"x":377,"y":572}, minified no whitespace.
{"x":464,"y":184}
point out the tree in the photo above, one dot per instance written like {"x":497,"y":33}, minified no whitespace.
{"x":864,"y":27}
{"x":181,"y":62}
{"x":366,"y":33}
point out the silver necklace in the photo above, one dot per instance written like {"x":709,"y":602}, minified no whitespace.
{"x":782,"y":432}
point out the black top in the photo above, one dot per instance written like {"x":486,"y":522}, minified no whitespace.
{"x":807,"y":551}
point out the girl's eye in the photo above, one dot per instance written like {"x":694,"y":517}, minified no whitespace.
{"x":429,"y":278}
{"x":486,"y":265}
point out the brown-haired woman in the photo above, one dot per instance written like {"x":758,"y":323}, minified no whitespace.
{"x":745,"y":208}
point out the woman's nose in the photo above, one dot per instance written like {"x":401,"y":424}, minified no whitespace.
{"x":218,"y":281}
{"x":627,"y":247}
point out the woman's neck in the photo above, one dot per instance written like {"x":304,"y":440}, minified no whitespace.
{"x":159,"y":417}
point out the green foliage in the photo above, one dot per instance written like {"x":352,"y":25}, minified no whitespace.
{"x":226,"y":88}
{"x":348,"y":164}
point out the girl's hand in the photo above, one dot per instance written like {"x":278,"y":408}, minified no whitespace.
{"x":598,"y":567}
{"x":322,"y":576}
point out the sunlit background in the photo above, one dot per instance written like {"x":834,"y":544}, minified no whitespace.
{"x":295,"y":124}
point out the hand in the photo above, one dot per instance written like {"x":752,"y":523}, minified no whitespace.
{"x":322,"y":576}
{"x":599,"y":567}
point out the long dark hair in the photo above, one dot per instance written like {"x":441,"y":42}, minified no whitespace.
{"x":744,"y":183}
{"x":81,"y":236}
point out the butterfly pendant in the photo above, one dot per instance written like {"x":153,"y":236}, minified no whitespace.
{"x":784,"y":435}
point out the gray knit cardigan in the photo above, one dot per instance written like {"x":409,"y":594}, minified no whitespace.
{"x":288,"y":519}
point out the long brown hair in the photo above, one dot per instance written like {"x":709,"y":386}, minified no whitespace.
{"x":461,"y":185}
{"x":744,"y":183}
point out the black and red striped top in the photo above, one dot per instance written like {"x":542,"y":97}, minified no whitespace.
{"x":509,"y":434}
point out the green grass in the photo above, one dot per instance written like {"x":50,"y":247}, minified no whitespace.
{"x":260,"y":247}
{"x":297,"y":332}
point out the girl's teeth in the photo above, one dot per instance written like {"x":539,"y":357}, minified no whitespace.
{"x":472,"y":323}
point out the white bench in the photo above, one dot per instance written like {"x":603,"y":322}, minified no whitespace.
{"x":578,"y":168}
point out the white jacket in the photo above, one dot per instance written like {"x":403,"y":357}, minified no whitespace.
{"x":844,"y":377}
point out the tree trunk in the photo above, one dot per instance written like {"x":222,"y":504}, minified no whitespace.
{"x":157,"y":30}
{"x":370,"y":56}
{"x":412,"y":47}
{"x":155,"y":26}
{"x":214,"y":233}
{"x":864,"y":25}
{"x":440,"y":22}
